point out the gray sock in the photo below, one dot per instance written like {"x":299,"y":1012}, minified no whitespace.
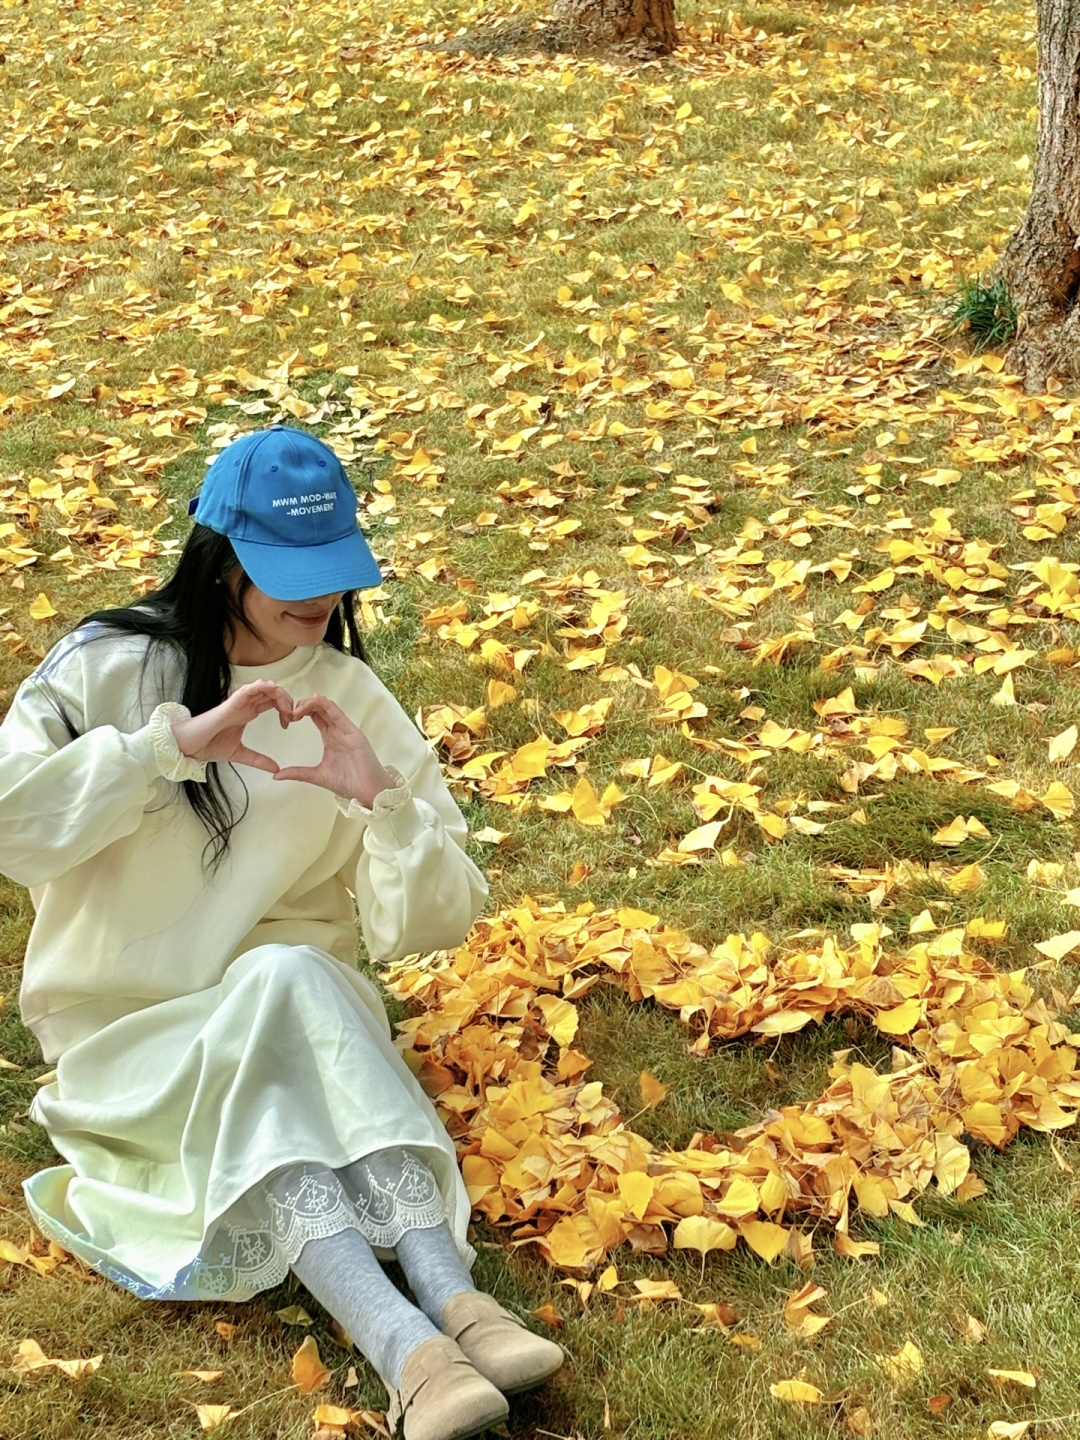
{"x":344,"y":1275}
{"x":426,"y":1252}
{"x":433,"y":1267}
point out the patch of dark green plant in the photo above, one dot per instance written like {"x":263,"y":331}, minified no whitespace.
{"x":986,"y":311}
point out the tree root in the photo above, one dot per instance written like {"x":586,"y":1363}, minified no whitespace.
{"x":1047,"y":348}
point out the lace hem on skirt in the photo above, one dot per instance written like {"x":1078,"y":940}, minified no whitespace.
{"x":256,"y":1242}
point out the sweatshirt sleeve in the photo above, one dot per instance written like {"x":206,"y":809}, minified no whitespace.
{"x":62,"y":800}
{"x":415,"y":887}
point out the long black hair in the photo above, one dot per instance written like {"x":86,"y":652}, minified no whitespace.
{"x":197,"y":613}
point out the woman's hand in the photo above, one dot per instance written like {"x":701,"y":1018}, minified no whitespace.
{"x":349,"y":766}
{"x":218,"y":734}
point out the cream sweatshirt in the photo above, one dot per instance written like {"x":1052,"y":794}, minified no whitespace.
{"x":127,"y":915}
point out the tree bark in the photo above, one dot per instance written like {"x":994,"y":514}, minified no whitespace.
{"x":600,"y":24}
{"x":634,"y":28}
{"x":1041,"y":263}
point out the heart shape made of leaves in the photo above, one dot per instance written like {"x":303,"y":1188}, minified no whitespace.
{"x":976,"y":1055}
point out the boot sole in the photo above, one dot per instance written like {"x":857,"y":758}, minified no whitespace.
{"x":477,"y":1429}
{"x":533,"y":1384}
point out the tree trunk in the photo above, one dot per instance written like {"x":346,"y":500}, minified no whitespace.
{"x":634,"y":28}
{"x":1041,"y":263}
{"x":602,"y":24}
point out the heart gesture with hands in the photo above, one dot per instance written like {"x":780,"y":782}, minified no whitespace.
{"x":349,"y":766}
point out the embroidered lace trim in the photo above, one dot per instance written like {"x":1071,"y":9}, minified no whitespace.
{"x":256,"y":1242}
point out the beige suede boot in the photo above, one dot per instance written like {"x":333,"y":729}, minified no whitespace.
{"x":498,"y":1344}
{"x":442,"y":1397}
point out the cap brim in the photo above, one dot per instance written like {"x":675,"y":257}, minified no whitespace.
{"x":302,"y":572}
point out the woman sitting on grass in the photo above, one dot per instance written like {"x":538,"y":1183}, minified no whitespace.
{"x":191,"y":787}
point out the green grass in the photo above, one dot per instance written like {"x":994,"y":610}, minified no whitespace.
{"x":986,"y":310}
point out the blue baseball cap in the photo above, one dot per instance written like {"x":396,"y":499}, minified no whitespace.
{"x":284,"y":500}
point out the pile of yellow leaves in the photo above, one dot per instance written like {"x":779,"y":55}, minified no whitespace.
{"x":977,"y":1055}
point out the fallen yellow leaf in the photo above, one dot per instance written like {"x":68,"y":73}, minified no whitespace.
{"x":1062,"y":746}
{"x":1023,"y":1378}
{"x":795,"y":1392}
{"x":702,"y":1233}
{"x":29,"y":1357}
{"x":903,"y":1368}
{"x":211,"y":1416}
{"x":1058,"y":946}
{"x":308,"y":1371}
{"x":42,"y":608}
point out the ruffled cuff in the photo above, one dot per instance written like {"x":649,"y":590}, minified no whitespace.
{"x":384,"y":803}
{"x":171,"y":761}
{"x":393,"y":818}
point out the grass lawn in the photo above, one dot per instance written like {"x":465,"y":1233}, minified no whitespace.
{"x":647,"y":380}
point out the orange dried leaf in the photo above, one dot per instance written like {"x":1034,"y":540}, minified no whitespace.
{"x":651,"y":1089}
{"x":308,"y":1371}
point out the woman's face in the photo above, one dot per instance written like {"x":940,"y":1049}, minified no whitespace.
{"x":277,"y":627}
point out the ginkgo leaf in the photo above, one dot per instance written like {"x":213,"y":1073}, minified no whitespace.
{"x":335,"y":1416}
{"x":952,"y":1163}
{"x":211,"y":1416}
{"x":704,"y":837}
{"x":636,"y":1189}
{"x":764,"y":1238}
{"x":651,"y":1089}
{"x":657,"y":1290}
{"x":608,"y":1280}
{"x":1059,"y":800}
{"x":1006,"y":694}
{"x":970,"y":877}
{"x":904,"y":1367}
{"x":1061,"y":746}
{"x":29,"y":1357}
{"x":1024,"y":1378}
{"x":499,"y":692}
{"x":560,"y":1018}
{"x":901,"y":1020}
{"x":955,"y":833}
{"x":796,"y":1392}
{"x":797,"y":1315}
{"x":42,"y":608}
{"x":1058,"y":946}
{"x":591,"y":809}
{"x":308,"y":1371}
{"x":530,"y":761}
{"x":703,"y":1234}
{"x":783,"y":1022}
{"x":855,"y":1249}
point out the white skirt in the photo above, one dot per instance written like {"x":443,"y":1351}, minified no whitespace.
{"x":172,"y":1117}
